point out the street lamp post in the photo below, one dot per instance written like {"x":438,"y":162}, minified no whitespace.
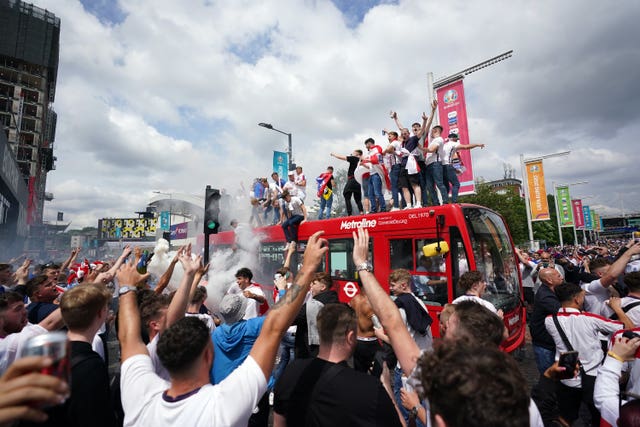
{"x":289,"y":148}
{"x":555,"y":197}
{"x":525,"y":182}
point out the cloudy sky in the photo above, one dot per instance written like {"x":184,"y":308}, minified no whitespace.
{"x":166,"y":95}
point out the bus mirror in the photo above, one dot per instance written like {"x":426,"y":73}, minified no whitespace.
{"x":433,"y":249}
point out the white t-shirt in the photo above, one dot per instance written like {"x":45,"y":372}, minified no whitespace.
{"x":302,"y":189}
{"x":448,"y":149}
{"x":594,"y":300}
{"x":295,"y":206}
{"x":476,"y":299}
{"x":253,"y":306}
{"x":228,"y":403}
{"x":11,"y":345}
{"x":207,"y":319}
{"x":158,"y":367}
{"x":438,"y":155}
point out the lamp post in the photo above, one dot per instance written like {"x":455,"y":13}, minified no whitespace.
{"x":525,"y":182}
{"x":170,"y":203}
{"x":289,"y":148}
{"x":555,"y":197}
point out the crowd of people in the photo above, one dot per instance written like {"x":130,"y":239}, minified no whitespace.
{"x":301,"y":356}
{"x":409,"y":171}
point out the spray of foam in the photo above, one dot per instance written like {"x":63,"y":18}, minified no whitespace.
{"x":223,"y":265}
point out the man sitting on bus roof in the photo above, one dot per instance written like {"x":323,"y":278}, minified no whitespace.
{"x":293,"y":214}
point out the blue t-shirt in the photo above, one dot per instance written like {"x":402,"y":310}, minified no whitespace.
{"x":231,"y":346}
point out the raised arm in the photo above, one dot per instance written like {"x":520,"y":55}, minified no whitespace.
{"x":338,"y":156}
{"x":394,"y":116}
{"x":427,"y":122}
{"x":180,"y":300}
{"x":126,"y":251}
{"x":131,"y":343}
{"x":200,"y":272}
{"x":282,"y":314}
{"x":72,"y":257}
{"x":469,"y":146}
{"x":403,"y":345}
{"x":53,"y":321}
{"x":166,"y":276}
{"x":617,"y":268}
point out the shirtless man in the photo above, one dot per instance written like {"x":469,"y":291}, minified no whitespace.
{"x":364,"y":357}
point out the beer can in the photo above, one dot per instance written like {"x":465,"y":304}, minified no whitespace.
{"x":56,"y":346}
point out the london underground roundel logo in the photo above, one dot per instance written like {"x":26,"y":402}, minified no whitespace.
{"x":450,"y":96}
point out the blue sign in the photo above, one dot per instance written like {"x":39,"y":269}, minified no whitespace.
{"x":165,"y":219}
{"x":586,"y":212}
{"x":281,"y":164}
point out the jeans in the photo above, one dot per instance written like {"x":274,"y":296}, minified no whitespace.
{"x":375,"y":193}
{"x":397,"y":385}
{"x":450,"y":178}
{"x":325,"y":203}
{"x":435,"y":179}
{"x":286,"y":354}
{"x":290,"y":227}
{"x":394,"y":176}
{"x":544,"y":358}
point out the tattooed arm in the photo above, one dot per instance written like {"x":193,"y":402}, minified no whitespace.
{"x":281,"y":315}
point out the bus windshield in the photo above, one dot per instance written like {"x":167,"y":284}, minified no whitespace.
{"x":494,"y":257}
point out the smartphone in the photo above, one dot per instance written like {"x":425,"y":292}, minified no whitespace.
{"x":376,"y":322}
{"x":569,"y":361}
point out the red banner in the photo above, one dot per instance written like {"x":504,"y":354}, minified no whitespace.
{"x":578,"y":215}
{"x":453,"y":119}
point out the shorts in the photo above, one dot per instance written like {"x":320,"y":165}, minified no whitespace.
{"x":365,"y":185}
{"x":407,"y":180}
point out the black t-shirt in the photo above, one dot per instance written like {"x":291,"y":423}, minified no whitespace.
{"x":353,"y":164}
{"x":90,"y":400}
{"x":344,"y":397}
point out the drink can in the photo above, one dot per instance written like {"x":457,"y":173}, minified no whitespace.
{"x":56,"y":346}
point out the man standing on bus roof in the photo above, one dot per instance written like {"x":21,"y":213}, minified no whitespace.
{"x":450,"y":174}
{"x":352,"y":188}
{"x":293,"y":214}
{"x":377,"y":173}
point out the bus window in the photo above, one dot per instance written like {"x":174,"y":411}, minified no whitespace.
{"x":341,"y":259}
{"x":459,"y":260}
{"x":300,"y":257}
{"x":401,"y":254}
{"x":430,"y":278}
{"x":494,"y":257}
{"x":270,"y":258}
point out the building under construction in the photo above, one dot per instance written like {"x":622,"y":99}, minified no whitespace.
{"x":29,"y":51}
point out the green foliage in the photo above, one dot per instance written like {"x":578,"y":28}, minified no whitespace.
{"x":511,"y":206}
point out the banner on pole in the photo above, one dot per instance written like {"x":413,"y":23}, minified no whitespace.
{"x":281,"y":164}
{"x":537,"y":191}
{"x":578,"y":215}
{"x":452,"y":111}
{"x":564,"y":206}
{"x":165,"y":218}
{"x":586,"y":211}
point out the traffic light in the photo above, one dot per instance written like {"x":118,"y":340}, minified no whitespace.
{"x":211,"y":210}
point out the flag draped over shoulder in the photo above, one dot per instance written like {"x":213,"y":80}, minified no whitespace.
{"x":322,"y":181}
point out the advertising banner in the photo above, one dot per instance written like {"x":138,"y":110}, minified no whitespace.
{"x":577,"y":213}
{"x":563,"y":199}
{"x":586,"y":211}
{"x":179,"y":231}
{"x":281,"y":164}
{"x":537,"y":191}
{"x":452,"y":111}
{"x":594,"y":220}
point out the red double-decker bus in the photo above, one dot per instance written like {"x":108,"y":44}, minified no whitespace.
{"x":436,"y":244}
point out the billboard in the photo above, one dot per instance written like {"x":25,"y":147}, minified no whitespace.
{"x":179,"y":231}
{"x":126,"y":228}
{"x":563,"y":201}
{"x":578,"y":215}
{"x":452,"y":111}
{"x":537,"y":191}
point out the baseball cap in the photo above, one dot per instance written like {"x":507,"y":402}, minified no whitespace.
{"x":453,"y":135}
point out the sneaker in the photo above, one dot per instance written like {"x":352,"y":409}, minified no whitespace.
{"x":394,"y":209}
{"x":417,"y":206}
{"x":407,"y":207}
